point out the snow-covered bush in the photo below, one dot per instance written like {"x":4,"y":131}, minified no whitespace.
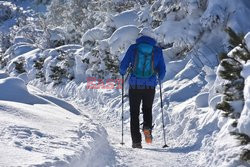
{"x":93,"y":35}
{"x":7,"y":11}
{"x":17,"y":50}
{"x":58,"y":66}
{"x":125,"y":18}
{"x":74,"y":16}
{"x":38,"y":65}
{"x":121,"y":5}
{"x":57,"y":13}
{"x":4,"y":42}
{"x":215,"y":14}
{"x":234,"y":103}
{"x":2,"y":64}
{"x":19,"y":65}
{"x":243,"y":122}
{"x":230,"y":69}
{"x":122,"y":38}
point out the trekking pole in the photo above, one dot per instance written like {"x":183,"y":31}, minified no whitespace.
{"x":122,"y":143}
{"x":163,"y":125}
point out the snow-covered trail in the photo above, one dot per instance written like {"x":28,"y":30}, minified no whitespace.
{"x":150,"y":156}
{"x":107,"y":150}
{"x":99,"y":153}
{"x":125,"y":155}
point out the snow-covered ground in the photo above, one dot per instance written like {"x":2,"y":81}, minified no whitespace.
{"x":40,"y":127}
{"x":41,"y":130}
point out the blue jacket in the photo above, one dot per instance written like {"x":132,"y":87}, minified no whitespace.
{"x":129,"y":59}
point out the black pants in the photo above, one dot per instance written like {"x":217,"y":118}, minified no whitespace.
{"x":136,"y":95}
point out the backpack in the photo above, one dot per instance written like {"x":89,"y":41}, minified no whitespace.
{"x":144,"y":61}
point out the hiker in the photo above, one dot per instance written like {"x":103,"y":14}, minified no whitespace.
{"x":148,"y":66}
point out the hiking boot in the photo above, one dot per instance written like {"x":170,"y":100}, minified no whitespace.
{"x":136,"y":145}
{"x":148,"y":135}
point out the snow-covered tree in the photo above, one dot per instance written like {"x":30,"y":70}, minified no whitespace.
{"x":4,"y":42}
{"x":19,"y":65}
{"x":230,"y":69}
{"x":38,"y":65}
{"x":57,"y":14}
{"x":62,"y":70}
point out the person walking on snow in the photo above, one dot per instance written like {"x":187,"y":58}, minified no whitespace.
{"x":147,"y":62}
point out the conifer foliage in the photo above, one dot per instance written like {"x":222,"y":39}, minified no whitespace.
{"x":230,"y":70}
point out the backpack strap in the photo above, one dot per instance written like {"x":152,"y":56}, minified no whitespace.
{"x":152,"y":62}
{"x":135,"y":58}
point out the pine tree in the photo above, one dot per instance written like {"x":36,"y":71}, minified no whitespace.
{"x":39,"y":67}
{"x":57,"y":74}
{"x":232,"y":66}
{"x":19,"y":65}
{"x":231,"y":69}
{"x":225,"y":107}
{"x":245,"y":156}
{"x":112,"y":63}
{"x":235,"y":39}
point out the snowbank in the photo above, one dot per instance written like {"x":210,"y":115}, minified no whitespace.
{"x":40,"y":130}
{"x":14,"y":89}
{"x":3,"y":75}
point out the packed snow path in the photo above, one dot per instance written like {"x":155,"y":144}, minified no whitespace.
{"x":150,"y":156}
{"x":125,"y":155}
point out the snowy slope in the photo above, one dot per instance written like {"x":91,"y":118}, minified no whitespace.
{"x":39,"y":130}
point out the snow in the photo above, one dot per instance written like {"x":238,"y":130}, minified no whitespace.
{"x":70,"y":125}
{"x":56,"y":34}
{"x":183,"y":32}
{"x":14,"y":89}
{"x":147,"y":32}
{"x":214,"y":101}
{"x":78,"y":69}
{"x":129,"y":17}
{"x":247,"y":41}
{"x":21,"y":39}
{"x":122,"y":38}
{"x":202,"y":100}
{"x":244,"y":122}
{"x":215,"y":14}
{"x":41,"y":130}
{"x":93,"y":35}
{"x":3,"y":75}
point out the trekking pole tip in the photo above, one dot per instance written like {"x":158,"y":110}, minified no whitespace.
{"x":165,"y":146}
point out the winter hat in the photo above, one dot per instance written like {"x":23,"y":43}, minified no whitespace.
{"x":147,"y":32}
